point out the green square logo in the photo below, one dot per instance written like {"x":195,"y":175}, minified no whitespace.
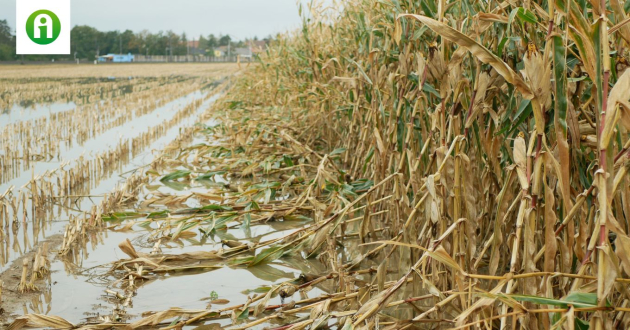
{"x":43,"y":27}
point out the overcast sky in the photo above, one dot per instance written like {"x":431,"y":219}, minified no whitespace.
{"x":238,"y":18}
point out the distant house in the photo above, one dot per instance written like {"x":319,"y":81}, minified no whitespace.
{"x":116,"y":58}
{"x":244,"y":52}
{"x":194,"y":49}
{"x":221,"y":51}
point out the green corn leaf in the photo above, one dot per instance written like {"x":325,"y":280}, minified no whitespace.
{"x":209,"y":175}
{"x":215,"y":207}
{"x":158,"y":214}
{"x":175,"y":176}
{"x":268,"y":255}
{"x":287,"y":160}
{"x":576,"y":299}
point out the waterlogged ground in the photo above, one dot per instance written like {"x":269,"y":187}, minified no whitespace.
{"x":75,"y":284}
{"x":187,"y":289}
{"x":190,"y":289}
{"x":73,"y":289}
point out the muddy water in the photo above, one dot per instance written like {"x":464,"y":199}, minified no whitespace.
{"x":73,"y":291}
{"x":83,"y":297}
{"x":32,"y":110}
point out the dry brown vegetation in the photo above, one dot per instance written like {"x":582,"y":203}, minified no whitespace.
{"x":462,"y":167}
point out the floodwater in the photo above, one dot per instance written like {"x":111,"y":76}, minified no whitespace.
{"x":76,"y":288}
{"x":26,"y":234}
{"x":79,"y":285}
{"x":18,"y":113}
{"x":108,"y":139}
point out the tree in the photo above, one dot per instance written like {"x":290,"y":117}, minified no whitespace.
{"x":182,"y":45}
{"x":224,"y":40}
{"x":172,"y":43}
{"x":108,"y":44}
{"x":212,"y":41}
{"x":7,"y":53}
{"x":88,"y":43}
{"x":203,"y":43}
{"x":84,"y":41}
{"x":157,"y":43}
{"x":127,"y":39}
{"x":7,"y":42}
{"x":5,"y":33}
{"x":138,"y":44}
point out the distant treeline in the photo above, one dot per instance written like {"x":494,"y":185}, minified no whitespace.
{"x":88,"y":42}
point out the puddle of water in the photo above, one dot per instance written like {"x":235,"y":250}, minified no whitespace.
{"x":35,"y":94}
{"x":29,"y":234}
{"x":45,"y":136}
{"x":72,"y":146}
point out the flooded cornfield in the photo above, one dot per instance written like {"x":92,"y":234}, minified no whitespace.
{"x":126,"y":196}
{"x":73,"y":148}
{"x":389,"y":165}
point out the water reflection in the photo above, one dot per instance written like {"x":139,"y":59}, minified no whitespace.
{"x":18,"y":113}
